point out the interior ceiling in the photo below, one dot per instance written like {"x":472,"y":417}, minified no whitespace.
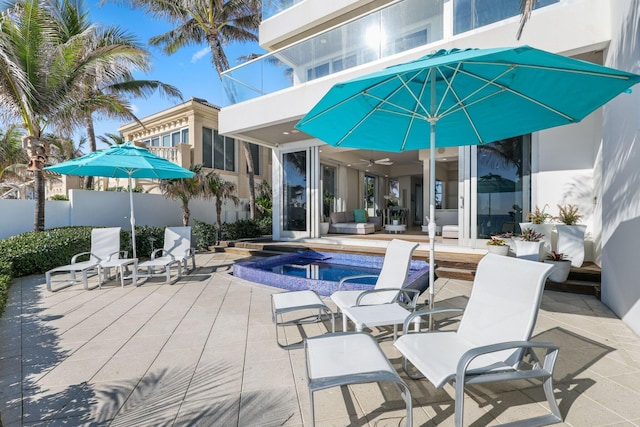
{"x":284,"y":133}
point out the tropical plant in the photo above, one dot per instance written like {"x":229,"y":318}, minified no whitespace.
{"x":530,"y":235}
{"x":48,"y":65}
{"x":568,"y":214}
{"x":539,"y":216}
{"x":496,"y":241}
{"x":105,"y":93}
{"x":526,"y":6}
{"x":264,"y":199}
{"x":556,"y":256}
{"x":216,"y":23}
{"x":185,"y":189}
{"x":112,"y":139}
{"x":221,"y":190}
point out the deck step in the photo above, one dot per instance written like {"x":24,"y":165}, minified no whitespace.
{"x":575,"y":287}
{"x":455,"y":273}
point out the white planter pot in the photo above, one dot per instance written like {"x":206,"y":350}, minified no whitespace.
{"x":498,"y":250}
{"x":533,"y":251}
{"x":571,"y":242}
{"x":324,"y":228}
{"x":560,"y":271}
{"x":546,"y":230}
{"x":396,"y":222}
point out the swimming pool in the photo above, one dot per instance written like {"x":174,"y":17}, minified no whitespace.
{"x":321,"y":271}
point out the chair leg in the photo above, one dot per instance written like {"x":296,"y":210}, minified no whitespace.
{"x":313,"y":418}
{"x":47,"y":277}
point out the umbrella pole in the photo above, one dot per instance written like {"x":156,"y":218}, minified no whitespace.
{"x":432,"y":197}
{"x":132,"y":219}
{"x":432,"y":219}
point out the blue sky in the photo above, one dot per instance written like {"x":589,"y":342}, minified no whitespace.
{"x":190,"y":69}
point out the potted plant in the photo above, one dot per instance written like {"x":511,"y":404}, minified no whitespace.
{"x":561,"y":266}
{"x":395,"y":219}
{"x":540,"y":223}
{"x":498,"y":245}
{"x":530,"y":245}
{"x":570,"y":233}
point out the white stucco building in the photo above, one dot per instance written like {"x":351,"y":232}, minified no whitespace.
{"x":314,"y":44}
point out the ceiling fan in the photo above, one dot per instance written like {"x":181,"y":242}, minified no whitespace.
{"x":370,"y":162}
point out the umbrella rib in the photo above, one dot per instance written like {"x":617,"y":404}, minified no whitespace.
{"x":560,"y":70}
{"x":461,"y":103}
{"x":344,"y":101}
{"x":418,"y":104}
{"x":366,"y":116}
{"x":514,"y":92}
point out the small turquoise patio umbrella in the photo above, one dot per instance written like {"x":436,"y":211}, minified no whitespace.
{"x":462,"y":97}
{"x":123,"y":161}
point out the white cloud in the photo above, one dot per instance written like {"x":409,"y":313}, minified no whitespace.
{"x":199,"y":55}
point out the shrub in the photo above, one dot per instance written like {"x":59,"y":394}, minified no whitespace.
{"x":205,"y":234}
{"x":5,"y":283}
{"x":37,"y":252}
{"x":242,"y":229}
{"x":144,"y":244}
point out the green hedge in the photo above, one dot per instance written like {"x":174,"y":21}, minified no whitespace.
{"x":5,"y":283}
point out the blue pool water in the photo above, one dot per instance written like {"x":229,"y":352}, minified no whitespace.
{"x":322,"y":271}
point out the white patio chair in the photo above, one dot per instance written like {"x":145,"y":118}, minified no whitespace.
{"x":105,"y":245}
{"x":491,"y":343}
{"x":394,"y":272}
{"x":175,"y":253}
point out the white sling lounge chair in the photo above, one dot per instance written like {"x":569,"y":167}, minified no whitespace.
{"x":394,"y":272}
{"x":493,"y":336}
{"x":105,"y":246}
{"x":175,"y":253}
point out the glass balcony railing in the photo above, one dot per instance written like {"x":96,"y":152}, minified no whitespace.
{"x":471,"y":14}
{"x":273,"y":7}
{"x":397,"y":28}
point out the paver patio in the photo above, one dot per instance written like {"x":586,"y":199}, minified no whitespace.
{"x":203,"y":352}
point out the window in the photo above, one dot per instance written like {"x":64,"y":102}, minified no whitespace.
{"x":255,"y":156}
{"x":370,"y":192}
{"x":175,"y":138}
{"x":155,"y":142}
{"x":439,"y":194}
{"x":166,"y":140}
{"x":218,"y":151}
{"x":185,"y":136}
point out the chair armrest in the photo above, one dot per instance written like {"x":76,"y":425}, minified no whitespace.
{"x":401,"y":292}
{"x":116,"y":255}
{"x":427,"y":312}
{"x":75,"y":257}
{"x":536,"y":371}
{"x":361,"y":276}
{"x":155,"y":253}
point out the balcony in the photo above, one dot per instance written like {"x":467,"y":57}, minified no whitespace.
{"x":388,"y":31}
{"x":383,"y":33}
{"x":273,"y":7}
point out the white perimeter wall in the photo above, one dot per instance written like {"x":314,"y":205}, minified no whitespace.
{"x":107,"y":208}
{"x":621,"y":175}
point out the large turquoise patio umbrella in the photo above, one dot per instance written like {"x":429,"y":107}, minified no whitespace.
{"x":462,"y":97}
{"x":123,"y":161}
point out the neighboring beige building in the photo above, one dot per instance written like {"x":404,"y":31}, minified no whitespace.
{"x":187,"y":134}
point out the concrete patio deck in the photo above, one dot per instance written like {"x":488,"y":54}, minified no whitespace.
{"x":202,"y":352}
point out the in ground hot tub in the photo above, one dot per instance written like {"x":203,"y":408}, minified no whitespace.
{"x":322,"y":271}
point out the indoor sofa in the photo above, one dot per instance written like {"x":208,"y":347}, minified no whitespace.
{"x":354,"y":222}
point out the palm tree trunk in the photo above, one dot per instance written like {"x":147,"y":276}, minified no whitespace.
{"x":38,"y":187}
{"x":91,"y":136}
{"x":186,"y":213}
{"x":252,"y":183}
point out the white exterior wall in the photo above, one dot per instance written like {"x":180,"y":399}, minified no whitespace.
{"x":620,"y":202}
{"x":111,"y":209}
{"x":17,"y":216}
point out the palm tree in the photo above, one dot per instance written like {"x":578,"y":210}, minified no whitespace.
{"x":44,"y":73}
{"x":11,"y":151}
{"x":106,"y":92}
{"x":185,"y":189}
{"x":221,"y":190}
{"x":112,"y":139}
{"x":215,"y":22}
{"x":526,"y":6}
